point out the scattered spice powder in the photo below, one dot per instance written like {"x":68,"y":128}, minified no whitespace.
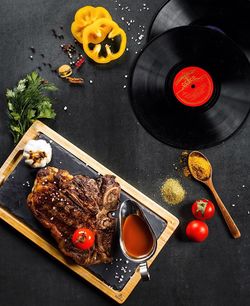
{"x":199,"y":167}
{"x":172,"y":191}
{"x":184,"y":163}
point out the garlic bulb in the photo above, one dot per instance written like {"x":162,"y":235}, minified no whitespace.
{"x":37,"y":153}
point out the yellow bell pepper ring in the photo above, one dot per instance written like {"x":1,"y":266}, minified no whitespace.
{"x":86,"y":16}
{"x":76,"y":30}
{"x":104,"y":41}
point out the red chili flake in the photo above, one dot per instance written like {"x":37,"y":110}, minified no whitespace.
{"x":79,"y":62}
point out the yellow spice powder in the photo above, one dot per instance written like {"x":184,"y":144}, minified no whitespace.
{"x":172,"y":191}
{"x":199,"y":167}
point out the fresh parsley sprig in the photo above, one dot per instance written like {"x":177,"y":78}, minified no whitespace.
{"x":28,"y":102}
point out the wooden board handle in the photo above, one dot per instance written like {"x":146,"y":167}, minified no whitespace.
{"x":227,"y":217}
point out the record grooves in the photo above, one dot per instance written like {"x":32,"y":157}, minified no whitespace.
{"x":190,"y":87}
{"x":230,"y":18}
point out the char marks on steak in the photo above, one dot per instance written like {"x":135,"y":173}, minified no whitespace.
{"x":62,"y":203}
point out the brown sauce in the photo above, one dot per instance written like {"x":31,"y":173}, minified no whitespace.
{"x":137,"y":237}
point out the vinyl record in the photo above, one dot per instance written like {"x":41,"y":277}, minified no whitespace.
{"x":190,"y":87}
{"x":229,"y":17}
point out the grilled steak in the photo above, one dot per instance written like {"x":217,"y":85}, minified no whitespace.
{"x":62,"y":203}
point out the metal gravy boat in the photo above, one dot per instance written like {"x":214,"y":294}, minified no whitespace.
{"x":129,"y":207}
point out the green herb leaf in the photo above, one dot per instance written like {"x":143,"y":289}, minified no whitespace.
{"x":10,"y":106}
{"x":49,"y":87}
{"x":28,"y":102}
{"x":31,"y":114}
{"x":46,"y":111}
{"x":10,"y":93}
{"x":15,"y":116}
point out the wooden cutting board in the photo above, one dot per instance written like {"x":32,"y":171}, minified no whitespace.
{"x":117,"y":279}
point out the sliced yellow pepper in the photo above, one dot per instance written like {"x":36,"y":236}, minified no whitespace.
{"x":103,"y":31}
{"x":86,"y":16}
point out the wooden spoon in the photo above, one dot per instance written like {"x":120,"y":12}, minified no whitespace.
{"x":208,"y":181}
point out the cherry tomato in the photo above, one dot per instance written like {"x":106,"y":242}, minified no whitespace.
{"x":83,"y":238}
{"x":197,"y":230}
{"x":203,"y":209}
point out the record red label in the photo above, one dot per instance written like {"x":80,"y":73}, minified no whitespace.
{"x":193,"y":86}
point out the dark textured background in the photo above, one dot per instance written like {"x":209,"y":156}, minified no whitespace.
{"x":99,"y":120}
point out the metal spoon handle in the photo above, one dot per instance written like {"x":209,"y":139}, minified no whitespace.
{"x":227,"y":217}
{"x":143,"y":267}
